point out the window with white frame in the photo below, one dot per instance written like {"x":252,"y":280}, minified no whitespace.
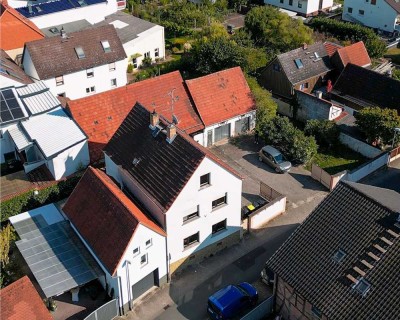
{"x":59,"y":80}
{"x":220,"y":226}
{"x":219,"y":202}
{"x":90,"y":73}
{"x":144,"y":259}
{"x":149,"y":243}
{"x":111,"y":66}
{"x":136,"y":251}
{"x":113,"y":82}
{"x":205,"y":180}
{"x":147,"y":54}
{"x":156,"y":52}
{"x":191,"y":216}
{"x":90,"y":90}
{"x":106,"y":46}
{"x":191,"y":240}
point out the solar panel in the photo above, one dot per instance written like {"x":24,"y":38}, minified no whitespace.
{"x":8,"y":94}
{"x":3,"y":106}
{"x":5,"y":116}
{"x":10,"y":108}
{"x":13,"y":104}
{"x":17,"y":113}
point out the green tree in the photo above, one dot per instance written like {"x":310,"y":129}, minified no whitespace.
{"x":276,"y":30}
{"x":213,"y":31}
{"x":325,"y":132}
{"x":7,"y":237}
{"x":378,"y":124}
{"x":254,"y":59}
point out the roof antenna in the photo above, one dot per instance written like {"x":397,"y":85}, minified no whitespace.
{"x":173,"y":100}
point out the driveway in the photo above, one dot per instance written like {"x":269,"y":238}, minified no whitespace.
{"x":242,"y":155}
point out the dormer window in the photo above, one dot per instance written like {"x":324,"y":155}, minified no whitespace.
{"x":106,"y":46}
{"x":299,"y":63}
{"x":339,"y":255}
{"x":82,"y":3}
{"x":80,"y":53}
{"x":362,"y":286}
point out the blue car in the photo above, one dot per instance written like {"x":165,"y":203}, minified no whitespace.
{"x":231,"y":300}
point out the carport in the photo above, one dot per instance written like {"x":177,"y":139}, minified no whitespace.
{"x":54,"y":253}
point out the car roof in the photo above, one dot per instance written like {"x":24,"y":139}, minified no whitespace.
{"x":271,"y":150}
{"x":226,"y":296}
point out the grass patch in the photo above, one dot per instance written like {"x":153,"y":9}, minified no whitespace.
{"x":337,"y":159}
{"x":393,"y":54}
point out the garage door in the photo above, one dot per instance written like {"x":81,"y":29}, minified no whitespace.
{"x":242,"y":125}
{"x":222,"y":132}
{"x":145,"y":284}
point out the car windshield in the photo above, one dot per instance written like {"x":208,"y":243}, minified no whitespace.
{"x":279,"y":158}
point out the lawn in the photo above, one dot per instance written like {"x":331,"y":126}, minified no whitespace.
{"x":337,"y":159}
{"x":394,"y":54}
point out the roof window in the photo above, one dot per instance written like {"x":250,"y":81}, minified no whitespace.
{"x":106,"y":46}
{"x":80,"y":53}
{"x":38,"y":9}
{"x":82,"y":3}
{"x":299,"y":63}
{"x":54,"y":30}
{"x":316,"y":55}
{"x":362,"y":286}
{"x":339,"y":255}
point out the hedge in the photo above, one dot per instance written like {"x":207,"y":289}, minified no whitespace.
{"x":28,"y":201}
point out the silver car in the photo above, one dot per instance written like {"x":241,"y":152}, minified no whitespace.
{"x":274,"y":158}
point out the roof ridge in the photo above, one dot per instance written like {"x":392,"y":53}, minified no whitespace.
{"x":213,"y":74}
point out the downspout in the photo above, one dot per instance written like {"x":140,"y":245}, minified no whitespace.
{"x":121,"y":307}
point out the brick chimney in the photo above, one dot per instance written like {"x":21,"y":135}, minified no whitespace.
{"x":154,"y":119}
{"x":171,"y":133}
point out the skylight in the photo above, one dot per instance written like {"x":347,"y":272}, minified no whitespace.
{"x":106,"y":46}
{"x":299,"y":63}
{"x":38,"y":9}
{"x":339,"y":255}
{"x":316,"y":55}
{"x":82,"y":3}
{"x":362,"y":286}
{"x":80,"y":53}
{"x":54,"y":30}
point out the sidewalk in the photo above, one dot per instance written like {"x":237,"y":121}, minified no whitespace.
{"x":178,"y":299}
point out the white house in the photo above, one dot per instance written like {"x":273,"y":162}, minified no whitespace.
{"x":193,"y":195}
{"x":379,"y":14}
{"x":224,"y":103}
{"x":50,"y":13}
{"x":302,"y":7}
{"x":10,"y":73}
{"x":78,"y":64}
{"x":128,"y":245}
{"x":36,"y":130}
{"x":140,"y":38}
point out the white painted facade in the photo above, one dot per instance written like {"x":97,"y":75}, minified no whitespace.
{"x":380,"y":15}
{"x":6,"y":143}
{"x":92,"y":13}
{"x":76,"y":84}
{"x":150,"y":42}
{"x":209,"y":132}
{"x":192,"y":198}
{"x":304,"y":7}
{"x":130,"y":270}
{"x":7,"y":82}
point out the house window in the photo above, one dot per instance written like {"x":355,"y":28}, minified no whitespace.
{"x":135,"y":63}
{"x":191,"y":240}
{"x":290,"y":2}
{"x":219,"y":226}
{"x":90,"y":90}
{"x":80,"y":53}
{"x":143,"y":260}
{"x":136,"y":251}
{"x":361,"y":12}
{"x":111,"y":66}
{"x":219,"y":202}
{"x":9,"y":156}
{"x":304,"y":86}
{"x":156,"y":52}
{"x":205,"y":180}
{"x":106,"y":46}
{"x":149,"y":243}
{"x":300,"y":5}
{"x":90,"y":73}
{"x":59,"y":80}
{"x":281,"y":1}
{"x":373,"y":2}
{"x":277,"y":67}
{"x":350,"y":10}
{"x":147,"y":54}
{"x":191,"y":216}
{"x":113,"y":82}
{"x":316,"y":313}
{"x":1,"y":134}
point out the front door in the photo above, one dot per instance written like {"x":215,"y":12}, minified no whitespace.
{"x":320,"y":4}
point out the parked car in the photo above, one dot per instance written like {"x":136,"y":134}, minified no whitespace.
{"x":231,"y":300}
{"x":275,"y":159}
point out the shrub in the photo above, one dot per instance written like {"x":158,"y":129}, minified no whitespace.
{"x":175,"y":50}
{"x":130,"y":68}
{"x":146,"y":62}
{"x":325,"y":132}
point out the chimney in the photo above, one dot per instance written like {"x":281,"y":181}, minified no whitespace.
{"x":305,"y":46}
{"x":171,"y":133}
{"x":154,"y":119}
{"x":63,"y":33}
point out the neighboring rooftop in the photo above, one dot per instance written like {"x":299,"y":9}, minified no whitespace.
{"x":10,"y":70}
{"x":306,"y":62}
{"x":81,"y":50}
{"x":159,"y":167}
{"x":20,"y":300}
{"x":107,"y":222}
{"x":128,"y":26}
{"x":355,"y":53}
{"x":101,"y":114}
{"x":395,"y":4}
{"x":367,"y":88}
{"x":331,"y":47}
{"x":42,"y":7}
{"x":12,"y":24}
{"x":12,"y":109}
{"x":70,"y":27}
{"x":221,"y":95}
{"x":360,"y":221}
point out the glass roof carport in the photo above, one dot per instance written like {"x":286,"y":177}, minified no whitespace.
{"x":56,"y":256}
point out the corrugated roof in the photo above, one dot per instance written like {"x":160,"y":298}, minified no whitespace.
{"x":20,"y":139}
{"x":53,"y":131}
{"x":37,"y":97}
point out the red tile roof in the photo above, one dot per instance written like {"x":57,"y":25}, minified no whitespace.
{"x":16,"y":29}
{"x":108,"y":221}
{"x":20,"y":300}
{"x":356,"y":54}
{"x":221,"y":96}
{"x":100,"y":115}
{"x":331,"y":47}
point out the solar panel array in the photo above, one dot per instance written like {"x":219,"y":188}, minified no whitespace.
{"x":9,"y":109}
{"x":56,"y":256}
